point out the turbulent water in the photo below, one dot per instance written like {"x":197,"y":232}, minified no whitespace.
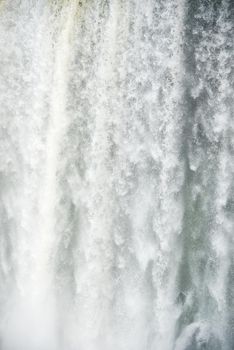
{"x":116,"y":175}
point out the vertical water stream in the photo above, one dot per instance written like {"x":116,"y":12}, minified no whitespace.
{"x":116,"y":175}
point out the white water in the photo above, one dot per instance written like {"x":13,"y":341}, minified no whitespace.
{"x":116,"y":175}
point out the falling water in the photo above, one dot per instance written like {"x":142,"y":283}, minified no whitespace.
{"x":116,"y":175}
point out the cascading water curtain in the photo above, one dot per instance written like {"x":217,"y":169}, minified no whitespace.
{"x":116,"y":175}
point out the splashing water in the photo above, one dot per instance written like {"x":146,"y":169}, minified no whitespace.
{"x":116,"y":175}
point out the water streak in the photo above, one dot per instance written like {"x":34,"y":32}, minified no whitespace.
{"x":116,"y":175}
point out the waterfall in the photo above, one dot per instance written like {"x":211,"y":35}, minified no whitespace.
{"x":116,"y":175}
